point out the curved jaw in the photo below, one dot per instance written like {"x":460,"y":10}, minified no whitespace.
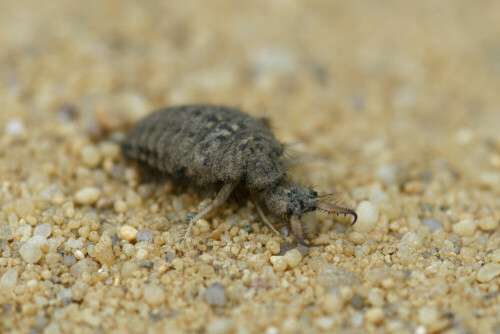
{"x":296,"y":224}
{"x":338,"y":210}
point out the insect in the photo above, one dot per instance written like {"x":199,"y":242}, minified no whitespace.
{"x":210,"y":145}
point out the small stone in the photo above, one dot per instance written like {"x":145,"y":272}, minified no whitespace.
{"x":145,"y":235}
{"x":206,"y":270}
{"x":6,"y":233}
{"x":44,"y":230}
{"x":216,"y":295}
{"x":391,"y":174}
{"x":332,"y":276}
{"x":154,"y":295}
{"x":488,"y":272}
{"x":52,"y":258}
{"x":293,"y":258}
{"x":84,"y":266}
{"x":91,"y":156}
{"x":488,"y":224}
{"x":273,"y":246}
{"x":14,"y":126}
{"x":109,"y":117}
{"x":331,"y":303}
{"x":129,"y":268}
{"x":25,"y":207}
{"x":74,"y":243}
{"x":220,"y":326}
{"x":374,"y":315}
{"x":257,"y":261}
{"x":68,"y":260}
{"x":495,"y":256}
{"x":79,"y":255}
{"x":279,"y":263}
{"x":65,"y":295}
{"x":432,"y":224}
{"x":30,"y":253}
{"x":376,"y":297}
{"x":120,"y":206}
{"x":128,"y":233}
{"x":103,"y":251}
{"x":357,"y":301}
{"x":9,"y":279}
{"x":377,"y":195}
{"x":24,"y":230}
{"x":87,"y":196}
{"x":465,"y":228}
{"x":109,"y":150}
{"x":142,"y":254}
{"x":428,"y":315}
{"x":367,"y":217}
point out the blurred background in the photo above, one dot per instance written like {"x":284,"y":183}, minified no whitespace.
{"x":343,"y":76}
{"x":401,"y":96}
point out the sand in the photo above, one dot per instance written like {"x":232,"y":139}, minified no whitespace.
{"x":398,"y":102}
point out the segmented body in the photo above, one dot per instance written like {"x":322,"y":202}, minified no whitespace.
{"x":218,"y":145}
{"x":207,"y":144}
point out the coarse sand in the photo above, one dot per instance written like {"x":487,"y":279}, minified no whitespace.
{"x":397,"y":102}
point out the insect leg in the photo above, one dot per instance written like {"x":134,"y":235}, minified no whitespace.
{"x":298,"y":234}
{"x":262,"y":215}
{"x":219,"y":199}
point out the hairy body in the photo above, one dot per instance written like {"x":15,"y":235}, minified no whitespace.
{"x":210,"y":145}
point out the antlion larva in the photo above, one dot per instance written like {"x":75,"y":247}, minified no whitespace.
{"x":210,"y":145}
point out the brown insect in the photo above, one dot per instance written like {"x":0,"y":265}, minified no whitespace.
{"x":209,"y":145}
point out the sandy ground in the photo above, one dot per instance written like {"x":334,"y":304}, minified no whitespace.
{"x":400,"y":98}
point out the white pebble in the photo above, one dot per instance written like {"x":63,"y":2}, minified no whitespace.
{"x":9,"y":279}
{"x":428,"y":315}
{"x":43,"y":229}
{"x":390,"y":174}
{"x":377,"y":195}
{"x":30,"y":252}
{"x":128,"y":233}
{"x":488,"y":272}
{"x":25,"y":231}
{"x":79,"y":255}
{"x":74,"y":243}
{"x":37,"y":240}
{"x":66,"y":295}
{"x":465,"y":228}
{"x":120,"y":206}
{"x":87,"y":196}
{"x":142,"y":254}
{"x":68,"y":260}
{"x":374,"y":315}
{"x":91,"y":156}
{"x":367,"y":217}
{"x":15,"y":126}
{"x":6,"y":233}
{"x":293,"y":257}
{"x":279,"y":263}
{"x":432,"y":224}
{"x":488,"y":224}
{"x":154,"y":295}
{"x":220,"y":326}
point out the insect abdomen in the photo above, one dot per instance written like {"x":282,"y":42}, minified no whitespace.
{"x":207,"y":144}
